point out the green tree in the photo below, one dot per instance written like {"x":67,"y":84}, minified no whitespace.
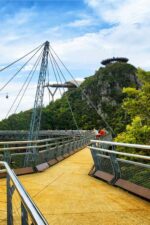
{"x":137,"y":105}
{"x":104,"y":89}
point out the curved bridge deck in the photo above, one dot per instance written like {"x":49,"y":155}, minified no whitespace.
{"x":66,"y":195}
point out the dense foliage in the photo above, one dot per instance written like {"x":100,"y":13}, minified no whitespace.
{"x":137,"y":105}
{"x":104,"y":90}
{"x":18,"y":121}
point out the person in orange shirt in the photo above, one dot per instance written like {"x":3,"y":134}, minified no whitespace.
{"x":101,"y":133}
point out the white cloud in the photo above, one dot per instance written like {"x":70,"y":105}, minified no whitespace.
{"x":88,"y":50}
{"x":128,"y":37}
{"x":123,"y":12}
{"x":30,"y":67}
{"x":81,"y":23}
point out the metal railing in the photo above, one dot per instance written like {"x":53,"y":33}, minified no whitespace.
{"x":15,"y":152}
{"x":23,"y":134}
{"x":122,"y":161}
{"x":27,"y":211}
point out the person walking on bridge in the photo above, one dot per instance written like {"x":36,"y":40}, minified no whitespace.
{"x":101,"y":133}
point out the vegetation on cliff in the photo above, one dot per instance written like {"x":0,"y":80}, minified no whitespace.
{"x":137,"y":105}
{"x":104,"y":89}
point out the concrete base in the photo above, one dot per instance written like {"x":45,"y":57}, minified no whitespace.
{"x":42,"y":167}
{"x":59,"y":158}
{"x":22,"y":171}
{"x":66,"y":155}
{"x":71,"y":152}
{"x":52,"y":162}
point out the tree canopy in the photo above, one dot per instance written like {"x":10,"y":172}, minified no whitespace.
{"x":137,"y":106}
{"x":104,"y":89}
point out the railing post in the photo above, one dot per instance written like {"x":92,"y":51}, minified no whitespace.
{"x":24,"y":215}
{"x":10,"y":191}
{"x":7,"y":155}
{"x":28,"y":207}
{"x":47,"y":155}
{"x":55,"y":154}
{"x":115,"y":166}
{"x":35,"y":156}
{"x":113,"y":159}
{"x":95,"y":158}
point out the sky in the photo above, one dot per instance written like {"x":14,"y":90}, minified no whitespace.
{"x":82,"y":32}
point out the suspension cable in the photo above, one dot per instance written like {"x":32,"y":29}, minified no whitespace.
{"x":58,"y":72}
{"x":19,"y":69}
{"x":64,"y":66}
{"x":87,"y":97}
{"x":54,"y":72}
{"x":28,"y":84}
{"x":22,"y":87}
{"x":48,"y":81}
{"x":33,"y":71}
{"x":58,"y":68}
{"x":20,"y":58}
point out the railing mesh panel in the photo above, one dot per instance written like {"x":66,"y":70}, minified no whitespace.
{"x":135,"y":173}
{"x":104,"y":164}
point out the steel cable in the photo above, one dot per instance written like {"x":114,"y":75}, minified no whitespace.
{"x":58,"y":72}
{"x":19,"y":70}
{"x":55,"y":73}
{"x":33,"y":71}
{"x":22,"y":87}
{"x":87,"y":97}
{"x":20,"y":58}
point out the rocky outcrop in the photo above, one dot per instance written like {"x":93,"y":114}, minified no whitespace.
{"x":105,"y":88}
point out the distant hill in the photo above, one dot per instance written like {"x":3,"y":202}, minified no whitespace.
{"x":104,"y":89}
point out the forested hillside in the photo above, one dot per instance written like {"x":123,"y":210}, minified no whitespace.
{"x":104,"y":89}
{"x":137,"y":105}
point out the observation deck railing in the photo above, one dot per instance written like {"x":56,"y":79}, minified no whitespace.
{"x":20,"y":207}
{"x":124,"y":165}
{"x":47,"y":150}
{"x":23,"y":134}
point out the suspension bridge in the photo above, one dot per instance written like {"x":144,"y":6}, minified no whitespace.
{"x":66,"y":176}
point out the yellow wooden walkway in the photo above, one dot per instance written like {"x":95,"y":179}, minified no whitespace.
{"x":66,"y":195}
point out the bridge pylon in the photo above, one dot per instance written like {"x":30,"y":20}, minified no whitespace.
{"x":38,"y":104}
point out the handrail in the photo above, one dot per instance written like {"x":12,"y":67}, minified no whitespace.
{"x":120,"y":153}
{"x":122,"y":167}
{"x":31,"y":142}
{"x":27,"y":147}
{"x":101,"y":149}
{"x":34,"y":146}
{"x":122,"y":144}
{"x":34,"y":212}
{"x":42,"y":151}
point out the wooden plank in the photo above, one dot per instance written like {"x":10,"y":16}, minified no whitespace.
{"x":134,"y":188}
